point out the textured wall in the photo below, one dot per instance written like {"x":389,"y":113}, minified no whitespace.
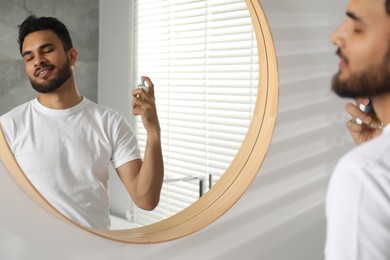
{"x":82,"y":19}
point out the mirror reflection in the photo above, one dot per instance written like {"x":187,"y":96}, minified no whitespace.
{"x":203,"y":55}
{"x":204,"y":66}
{"x":63,"y":142}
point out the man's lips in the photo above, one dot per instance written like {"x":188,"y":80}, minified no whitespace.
{"x":43,"y":71}
{"x":343,"y":60}
{"x":342,"y":64}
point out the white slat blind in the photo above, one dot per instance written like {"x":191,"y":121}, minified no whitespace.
{"x":202,"y":58}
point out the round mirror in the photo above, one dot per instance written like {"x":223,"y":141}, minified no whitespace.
{"x":233,"y":182}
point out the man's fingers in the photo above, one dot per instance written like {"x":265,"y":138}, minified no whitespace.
{"x":356,"y":113}
{"x":364,"y":101}
{"x":150,"y":85}
{"x":354,"y":127}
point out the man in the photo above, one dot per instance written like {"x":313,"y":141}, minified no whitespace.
{"x":64,"y":142}
{"x":358,"y":199}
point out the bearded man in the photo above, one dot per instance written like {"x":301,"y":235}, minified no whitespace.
{"x":358,"y":198}
{"x":64,"y":142}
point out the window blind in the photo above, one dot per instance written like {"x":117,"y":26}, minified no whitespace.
{"x":202,"y":59}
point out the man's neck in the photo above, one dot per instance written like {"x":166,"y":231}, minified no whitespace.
{"x":382,"y":108}
{"x":66,"y":96}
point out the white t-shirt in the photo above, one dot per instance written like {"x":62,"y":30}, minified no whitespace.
{"x":358,"y":203}
{"x":66,"y":153}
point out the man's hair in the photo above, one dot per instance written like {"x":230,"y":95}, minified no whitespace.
{"x":388,"y":7}
{"x":32,"y":24}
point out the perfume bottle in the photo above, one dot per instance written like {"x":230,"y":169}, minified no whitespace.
{"x":145,"y":87}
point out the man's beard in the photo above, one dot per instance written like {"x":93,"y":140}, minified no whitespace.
{"x":64,"y":74}
{"x":369,"y":83}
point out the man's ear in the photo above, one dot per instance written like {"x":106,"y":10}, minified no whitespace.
{"x":72,"y":55}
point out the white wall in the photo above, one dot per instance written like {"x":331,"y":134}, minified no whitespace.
{"x":115,"y":77}
{"x":281,"y":217}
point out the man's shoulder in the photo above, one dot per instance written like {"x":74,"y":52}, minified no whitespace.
{"x":373,"y":150}
{"x":103,"y":111}
{"x":368,"y":158}
{"x":17,"y":111}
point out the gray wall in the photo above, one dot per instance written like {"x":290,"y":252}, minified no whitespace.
{"x":82,"y":19}
{"x":115,"y":81}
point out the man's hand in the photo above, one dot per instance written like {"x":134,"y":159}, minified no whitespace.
{"x":369,"y":126}
{"x":143,"y":179}
{"x":146,"y":106}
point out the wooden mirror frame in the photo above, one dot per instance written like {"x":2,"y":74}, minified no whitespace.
{"x":234,"y":182}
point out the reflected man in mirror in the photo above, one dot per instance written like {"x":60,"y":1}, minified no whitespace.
{"x":64,"y":142}
{"x":358,"y":198}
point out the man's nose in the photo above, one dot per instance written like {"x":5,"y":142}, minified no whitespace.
{"x":338,"y":36}
{"x":39,"y":60}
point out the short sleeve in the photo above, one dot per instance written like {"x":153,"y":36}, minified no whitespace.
{"x":125,"y":145}
{"x":6,"y":127}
